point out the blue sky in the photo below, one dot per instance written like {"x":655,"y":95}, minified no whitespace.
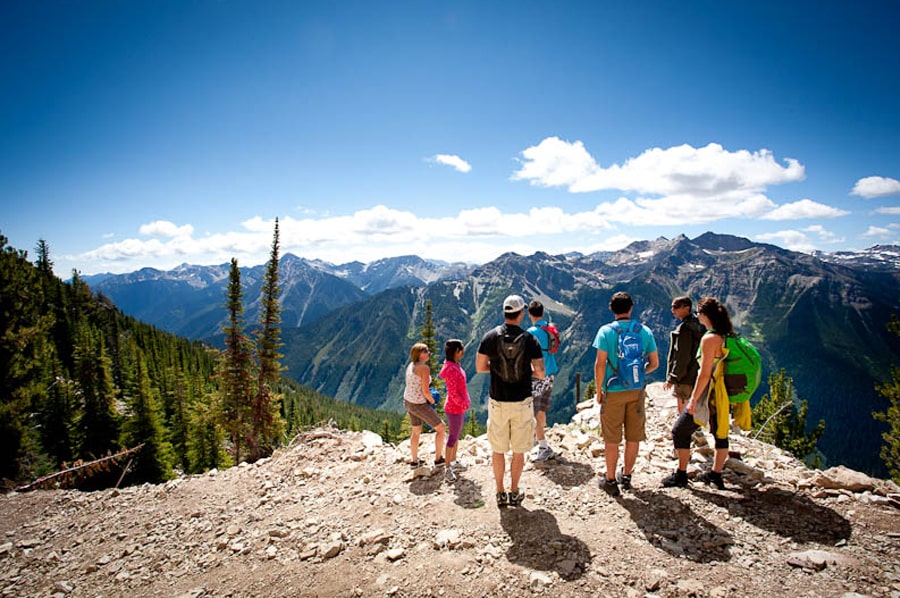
{"x":159,"y":133}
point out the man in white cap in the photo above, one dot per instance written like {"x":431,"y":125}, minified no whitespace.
{"x":512,"y":357}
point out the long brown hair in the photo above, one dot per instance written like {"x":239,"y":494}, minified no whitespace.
{"x":717,"y":313}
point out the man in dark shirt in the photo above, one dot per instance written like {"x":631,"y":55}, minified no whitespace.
{"x":682,"y":365}
{"x":512,"y":357}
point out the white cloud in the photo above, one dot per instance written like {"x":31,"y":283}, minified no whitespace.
{"x":805,"y":208}
{"x":890,"y":211}
{"x":824,"y":235}
{"x":876,"y":186}
{"x":454,"y":161}
{"x":164,"y":228}
{"x":475,"y":235}
{"x":800,"y":240}
{"x":675,"y":186}
{"x":708,"y":171}
{"x":877,"y":231}
{"x":794,"y":240}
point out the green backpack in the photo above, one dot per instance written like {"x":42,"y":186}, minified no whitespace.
{"x":743,"y":369}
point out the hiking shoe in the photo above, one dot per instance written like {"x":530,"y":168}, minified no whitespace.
{"x":712,"y":477}
{"x":450,"y":476}
{"x":414,"y":465}
{"x":624,"y":480}
{"x":459,"y":466}
{"x":611,"y":487}
{"x":544,"y":454}
{"x":502,"y":499}
{"x":439,"y":462}
{"x":678,"y":479}
{"x":515,"y":497}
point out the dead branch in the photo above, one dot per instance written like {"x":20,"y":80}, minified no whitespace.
{"x":78,"y":471}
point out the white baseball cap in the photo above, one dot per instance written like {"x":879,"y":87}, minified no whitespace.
{"x":512,"y":304}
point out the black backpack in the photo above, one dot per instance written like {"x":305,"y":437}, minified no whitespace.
{"x":514,"y":365}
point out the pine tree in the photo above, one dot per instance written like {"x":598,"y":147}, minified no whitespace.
{"x":267,"y":424}
{"x":180,"y":401}
{"x":59,"y":416}
{"x":144,"y":426}
{"x":778,"y":420}
{"x":429,"y":337}
{"x":890,"y":450}
{"x":473,"y":428}
{"x":24,"y":330}
{"x":44,"y":264}
{"x":237,"y":367}
{"x":205,"y":436}
{"x":99,"y":423}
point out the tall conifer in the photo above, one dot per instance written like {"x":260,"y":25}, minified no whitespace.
{"x":237,"y":367}
{"x":144,"y":426}
{"x":267,"y":424}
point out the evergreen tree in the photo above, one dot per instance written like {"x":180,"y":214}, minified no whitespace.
{"x":24,"y":330}
{"x":205,"y":436}
{"x":890,"y":450}
{"x":59,"y":417}
{"x":473,"y":428}
{"x":267,"y":424}
{"x":44,"y":264}
{"x":144,"y":426}
{"x":429,"y":337}
{"x":237,"y":366}
{"x":778,"y":420}
{"x":99,"y":424}
{"x":178,"y":407}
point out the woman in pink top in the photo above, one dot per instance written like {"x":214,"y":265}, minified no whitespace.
{"x":457,"y":403}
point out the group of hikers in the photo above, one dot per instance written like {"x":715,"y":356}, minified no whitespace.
{"x":522,"y":365}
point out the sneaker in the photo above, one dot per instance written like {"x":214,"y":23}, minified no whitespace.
{"x":515,"y":497}
{"x":450,"y":476}
{"x":611,"y":487}
{"x":712,"y":477}
{"x":459,"y":466}
{"x":624,"y":480}
{"x":544,"y":454}
{"x":502,"y":499}
{"x":439,"y":462}
{"x":678,"y":479}
{"x":414,"y":465}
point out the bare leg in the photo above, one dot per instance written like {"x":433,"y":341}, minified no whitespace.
{"x":719,"y":460}
{"x":612,"y":458}
{"x":414,"y":442}
{"x":515,"y":470}
{"x":439,"y":441}
{"x":540,"y":421}
{"x":498,"y":461}
{"x":451,"y":453}
{"x":684,"y":457}
{"x":631,"y":453}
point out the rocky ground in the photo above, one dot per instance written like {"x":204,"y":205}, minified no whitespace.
{"x":339,"y":514}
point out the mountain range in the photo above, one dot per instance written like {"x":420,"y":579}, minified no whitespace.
{"x":347,"y":328}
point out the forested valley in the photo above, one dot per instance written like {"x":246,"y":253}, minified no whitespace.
{"x":92,"y":398}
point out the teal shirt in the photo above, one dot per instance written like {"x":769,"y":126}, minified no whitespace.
{"x":607,"y":339}
{"x":543,"y":337}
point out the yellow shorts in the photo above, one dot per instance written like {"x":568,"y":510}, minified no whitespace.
{"x":511,"y":426}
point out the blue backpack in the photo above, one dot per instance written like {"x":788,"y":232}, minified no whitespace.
{"x":629,"y":370}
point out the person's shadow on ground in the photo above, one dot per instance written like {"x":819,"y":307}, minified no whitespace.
{"x":426,"y":483}
{"x":674,"y":527}
{"x":565,"y":473}
{"x":538,"y":544}
{"x":782,"y":512}
{"x":468,"y":494}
